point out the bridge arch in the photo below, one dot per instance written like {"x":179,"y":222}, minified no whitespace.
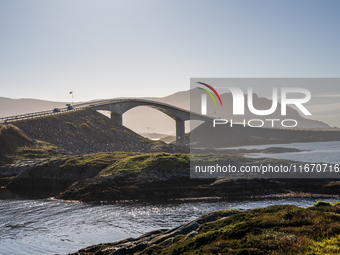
{"x":120,"y":106}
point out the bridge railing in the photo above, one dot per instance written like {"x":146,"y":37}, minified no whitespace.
{"x":36,"y":115}
{"x":51,"y":112}
{"x":103,"y":102}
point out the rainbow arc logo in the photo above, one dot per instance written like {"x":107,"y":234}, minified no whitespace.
{"x":209,"y":93}
{"x":204,"y":97}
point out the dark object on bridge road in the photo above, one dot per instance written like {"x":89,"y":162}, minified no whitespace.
{"x":56,"y":110}
{"x":70,"y":107}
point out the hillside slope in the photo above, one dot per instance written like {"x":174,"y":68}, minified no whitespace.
{"x":85,"y":131}
{"x":12,"y":137}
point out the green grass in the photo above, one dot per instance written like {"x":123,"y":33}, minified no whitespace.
{"x":12,"y":137}
{"x":39,"y":150}
{"x":68,"y":163}
{"x":71,"y":125}
{"x":84,"y":125}
{"x":100,"y":160}
{"x":149,"y":141}
{"x":281,"y":229}
{"x":160,"y":161}
{"x":16,"y":145}
{"x":12,"y":140}
{"x":136,"y":163}
{"x":322,"y":203}
{"x":325,"y":246}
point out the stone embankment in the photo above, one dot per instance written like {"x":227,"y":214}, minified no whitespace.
{"x":87,"y":131}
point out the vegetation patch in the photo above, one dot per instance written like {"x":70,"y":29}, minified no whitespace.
{"x":325,"y":246}
{"x":149,"y":141}
{"x":11,"y":139}
{"x":71,"y":125}
{"x":40,"y":150}
{"x":100,"y":160}
{"x":16,"y":145}
{"x":137,"y":163}
{"x":322,"y":203}
{"x":276,"y":229}
{"x":85,"y":126}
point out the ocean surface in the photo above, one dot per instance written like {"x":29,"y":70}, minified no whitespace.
{"x":43,"y":226}
{"x":319,"y":152}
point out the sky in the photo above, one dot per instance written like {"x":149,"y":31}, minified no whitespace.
{"x":142,"y":48}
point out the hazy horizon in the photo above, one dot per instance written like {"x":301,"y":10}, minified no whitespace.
{"x":141,"y":119}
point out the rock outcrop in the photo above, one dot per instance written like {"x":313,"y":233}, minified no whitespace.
{"x":18,"y":167}
{"x":161,"y":237}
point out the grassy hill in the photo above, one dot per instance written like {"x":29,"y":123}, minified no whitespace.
{"x":14,"y":144}
{"x":11,"y":138}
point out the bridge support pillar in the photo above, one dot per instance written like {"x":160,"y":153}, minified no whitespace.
{"x":117,"y":118}
{"x":180,"y":132}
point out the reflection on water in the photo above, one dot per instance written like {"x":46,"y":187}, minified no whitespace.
{"x":8,"y":194}
{"x":42,"y":226}
{"x":27,"y":194}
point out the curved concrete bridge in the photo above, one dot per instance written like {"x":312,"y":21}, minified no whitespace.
{"x":119,"y":106}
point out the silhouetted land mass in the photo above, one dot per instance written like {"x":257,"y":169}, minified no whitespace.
{"x":237,"y":135}
{"x":12,"y":107}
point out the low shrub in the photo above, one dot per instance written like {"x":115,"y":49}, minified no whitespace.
{"x":322,"y":203}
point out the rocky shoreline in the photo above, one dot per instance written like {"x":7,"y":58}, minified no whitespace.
{"x":278,"y":229}
{"x":159,"y":237}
